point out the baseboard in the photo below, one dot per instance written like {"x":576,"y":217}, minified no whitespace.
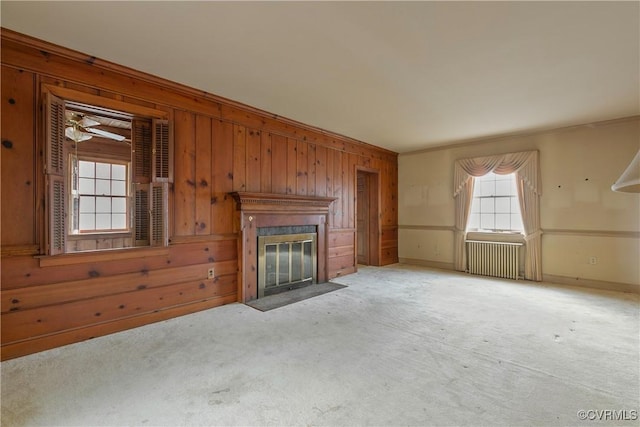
{"x":427,"y":263}
{"x":550,"y":278}
{"x":594,"y":284}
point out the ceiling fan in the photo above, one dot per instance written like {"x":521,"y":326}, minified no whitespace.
{"x":81,"y":128}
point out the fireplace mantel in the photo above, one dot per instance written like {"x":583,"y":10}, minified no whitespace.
{"x":279,"y":202}
{"x":255,"y":210}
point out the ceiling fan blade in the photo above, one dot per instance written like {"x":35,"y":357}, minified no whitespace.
{"x":106,"y":134}
{"x":87,"y":122}
{"x":76,"y":135}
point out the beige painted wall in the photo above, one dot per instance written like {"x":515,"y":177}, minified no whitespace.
{"x":580,"y":215}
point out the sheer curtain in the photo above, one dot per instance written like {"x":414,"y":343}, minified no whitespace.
{"x":526,"y":167}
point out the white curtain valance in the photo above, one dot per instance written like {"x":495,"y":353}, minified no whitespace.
{"x":525,"y":163}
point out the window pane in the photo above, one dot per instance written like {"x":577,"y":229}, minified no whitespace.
{"x":474,"y":221}
{"x":103,"y":170}
{"x":119,"y":172}
{"x":475,"y":205}
{"x":86,"y":169}
{"x":119,"y":221}
{"x":504,"y":188}
{"x":103,"y":221}
{"x":487,"y":221}
{"x":87,"y":222}
{"x":514,"y":187}
{"x":503,"y":222}
{"x":103,"y":204}
{"x":487,"y":188}
{"x":486,"y":205}
{"x":103,"y":187}
{"x":516,"y":222}
{"x":503,"y":204}
{"x":86,"y":186}
{"x":119,"y":205}
{"x":118,"y":188}
{"x":515,"y":205}
{"x":87,"y":205}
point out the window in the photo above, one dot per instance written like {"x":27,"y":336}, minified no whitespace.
{"x":108,"y":173}
{"x":99,"y":193}
{"x":495,"y":206}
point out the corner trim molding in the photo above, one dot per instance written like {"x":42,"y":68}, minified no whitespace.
{"x":547,"y":231}
{"x":591,"y":233}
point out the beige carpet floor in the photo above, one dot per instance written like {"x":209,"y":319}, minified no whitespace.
{"x":401,"y":345}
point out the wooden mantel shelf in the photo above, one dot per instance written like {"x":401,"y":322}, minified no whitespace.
{"x":279,"y":202}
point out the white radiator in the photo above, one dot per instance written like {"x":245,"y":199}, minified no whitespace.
{"x":497,"y":259}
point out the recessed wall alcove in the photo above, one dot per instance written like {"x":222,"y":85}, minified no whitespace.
{"x":258,"y":210}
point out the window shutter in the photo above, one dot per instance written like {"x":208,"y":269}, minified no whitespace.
{"x":152,"y":171}
{"x":141,"y":143}
{"x":142,"y":214}
{"x":162,"y":151}
{"x":54,"y":166}
{"x":55,"y":134}
{"x":159,"y":217}
{"x":57,"y":215}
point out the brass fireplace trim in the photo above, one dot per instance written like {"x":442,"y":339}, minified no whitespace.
{"x":263,"y":241}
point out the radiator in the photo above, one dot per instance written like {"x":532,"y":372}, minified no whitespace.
{"x":497,"y":259}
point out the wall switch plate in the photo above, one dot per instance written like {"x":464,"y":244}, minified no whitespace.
{"x":210,"y":274}
{"x":593,"y":260}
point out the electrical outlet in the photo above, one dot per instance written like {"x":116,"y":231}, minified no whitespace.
{"x":210,"y":274}
{"x":593,"y":260}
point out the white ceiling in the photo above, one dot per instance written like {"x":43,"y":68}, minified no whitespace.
{"x":401,"y":75}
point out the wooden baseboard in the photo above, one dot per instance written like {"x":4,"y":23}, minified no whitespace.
{"x":427,"y":263}
{"x":594,"y":284}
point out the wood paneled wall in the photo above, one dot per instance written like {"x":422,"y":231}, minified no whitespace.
{"x":220,"y":146}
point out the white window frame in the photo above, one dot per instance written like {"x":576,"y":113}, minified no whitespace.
{"x":484,"y":201}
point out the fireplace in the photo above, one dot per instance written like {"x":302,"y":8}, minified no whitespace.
{"x":289,"y":232}
{"x":285,"y":262}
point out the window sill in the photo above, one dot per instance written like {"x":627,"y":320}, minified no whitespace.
{"x":101,"y":255}
{"x":501,"y":236}
{"x":103,"y":235}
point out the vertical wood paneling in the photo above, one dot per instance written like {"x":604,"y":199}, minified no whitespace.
{"x":222,"y":167}
{"x":345,"y":195}
{"x":254,"y":163}
{"x":292,"y":166}
{"x":337,"y":189}
{"x":311,"y":169}
{"x":351,"y":197}
{"x":279,"y":164}
{"x":203,"y":175}
{"x":266,"y":163}
{"x":301,"y":173}
{"x":392,"y":176}
{"x":321,"y":171}
{"x":185,"y":174}
{"x":239,"y":158}
{"x":18,"y":158}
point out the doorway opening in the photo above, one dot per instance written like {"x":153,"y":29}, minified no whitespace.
{"x":367,"y":217}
